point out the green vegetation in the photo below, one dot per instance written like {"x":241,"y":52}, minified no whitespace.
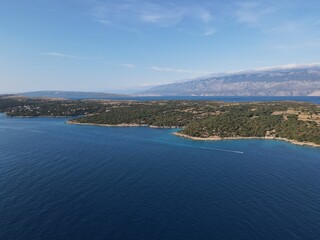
{"x":160,"y":114}
{"x":204,"y":119}
{"x":241,"y":121}
{"x":35,"y":107}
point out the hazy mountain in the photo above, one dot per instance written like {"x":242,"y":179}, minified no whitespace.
{"x":290,"y":80}
{"x":70,"y":95}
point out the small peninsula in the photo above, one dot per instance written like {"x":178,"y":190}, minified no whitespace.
{"x":296,"y":122}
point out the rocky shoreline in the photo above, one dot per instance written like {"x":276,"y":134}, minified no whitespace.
{"x":120,"y":125}
{"x":217,"y":138}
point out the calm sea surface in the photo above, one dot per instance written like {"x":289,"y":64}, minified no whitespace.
{"x":60,"y":181}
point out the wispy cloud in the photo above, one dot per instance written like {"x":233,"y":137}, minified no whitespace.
{"x":177,"y":70}
{"x":131,"y":13}
{"x":68,"y":56}
{"x":103,"y":21}
{"x":58,"y":54}
{"x":253,"y":13}
{"x":125,"y":65}
{"x":270,"y":17}
{"x":291,"y":30}
{"x":205,"y":15}
{"x":209,"y":32}
{"x":128,"y":65}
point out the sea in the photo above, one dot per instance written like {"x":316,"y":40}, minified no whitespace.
{"x":311,"y":99}
{"x":60,"y":181}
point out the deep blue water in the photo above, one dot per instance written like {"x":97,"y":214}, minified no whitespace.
{"x":60,"y":181}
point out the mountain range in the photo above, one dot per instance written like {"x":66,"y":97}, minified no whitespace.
{"x":289,"y":80}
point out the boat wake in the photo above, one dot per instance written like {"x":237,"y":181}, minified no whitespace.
{"x":221,"y":150}
{"x":198,"y":147}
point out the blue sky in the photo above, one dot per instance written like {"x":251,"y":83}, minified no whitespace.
{"x":123,"y":45}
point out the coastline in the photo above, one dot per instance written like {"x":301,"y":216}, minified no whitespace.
{"x":213,"y":138}
{"x":217,"y":138}
{"x":120,"y":125}
{"x":41,"y":116}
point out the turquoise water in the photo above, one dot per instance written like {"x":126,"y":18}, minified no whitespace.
{"x":60,"y":181}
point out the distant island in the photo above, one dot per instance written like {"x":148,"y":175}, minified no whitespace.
{"x":70,"y":95}
{"x":295,"y":122}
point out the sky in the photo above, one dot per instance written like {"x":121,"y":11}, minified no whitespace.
{"x":128,"y":45}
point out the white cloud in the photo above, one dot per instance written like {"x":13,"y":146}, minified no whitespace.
{"x":58,"y":54}
{"x":125,"y":65}
{"x":288,"y":66}
{"x":261,"y":69}
{"x":128,"y":65}
{"x":177,"y":70}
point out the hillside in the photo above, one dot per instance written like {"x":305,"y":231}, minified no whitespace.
{"x":297,"y":81}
